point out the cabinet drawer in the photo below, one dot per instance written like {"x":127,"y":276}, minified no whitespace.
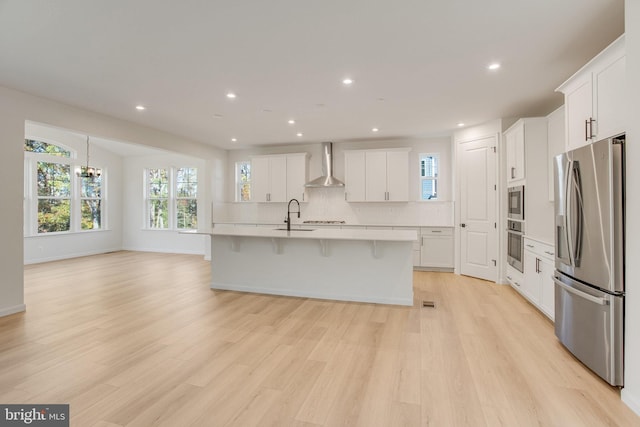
{"x":540,"y":249}
{"x":436,"y":231}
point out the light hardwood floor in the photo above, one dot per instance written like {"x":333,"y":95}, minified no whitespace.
{"x":138,"y":339}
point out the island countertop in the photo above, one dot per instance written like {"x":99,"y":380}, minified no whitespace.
{"x":313,"y":233}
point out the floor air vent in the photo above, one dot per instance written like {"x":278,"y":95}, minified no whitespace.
{"x":430,"y":304}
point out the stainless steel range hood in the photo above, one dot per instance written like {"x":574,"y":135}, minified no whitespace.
{"x":327,"y":179}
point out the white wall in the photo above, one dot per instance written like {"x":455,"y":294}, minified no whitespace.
{"x":15,"y":109}
{"x":47,"y":247}
{"x":329,"y":203}
{"x":631,"y":391}
{"x":136,"y":237}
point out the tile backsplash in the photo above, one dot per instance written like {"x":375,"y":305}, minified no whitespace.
{"x":329,"y":204}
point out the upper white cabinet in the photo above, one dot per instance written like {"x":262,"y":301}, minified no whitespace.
{"x":354,"y":176}
{"x":514,"y":139}
{"x":297,"y":176}
{"x":377,"y":175}
{"x":278,"y":178}
{"x":526,"y":144}
{"x":555,"y":144}
{"x":594,"y":98}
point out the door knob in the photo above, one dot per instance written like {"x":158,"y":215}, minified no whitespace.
{"x":463,"y":225}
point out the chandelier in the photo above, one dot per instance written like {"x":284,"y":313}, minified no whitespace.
{"x":88,"y":171}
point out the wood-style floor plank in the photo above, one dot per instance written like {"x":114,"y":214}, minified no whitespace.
{"x":138,"y":339}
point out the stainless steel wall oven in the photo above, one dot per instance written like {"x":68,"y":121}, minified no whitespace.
{"x":515,"y":244}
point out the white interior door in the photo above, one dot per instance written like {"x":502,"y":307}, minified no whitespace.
{"x":478,"y":209}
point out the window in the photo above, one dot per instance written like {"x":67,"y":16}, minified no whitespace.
{"x":56,"y":202}
{"x":158,"y":198}
{"x":172,"y":198}
{"x":91,"y":203}
{"x":429,"y":165}
{"x":46,"y":148}
{"x":54,"y":197}
{"x":186,"y":197}
{"x":243,"y":181}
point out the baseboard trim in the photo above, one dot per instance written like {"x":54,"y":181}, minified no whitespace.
{"x":69,"y":256}
{"x":162,"y":251}
{"x":630,"y":400}
{"x":317,"y":295}
{"x":12,"y":310}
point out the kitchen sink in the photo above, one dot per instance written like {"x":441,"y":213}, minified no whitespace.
{"x":295,"y":229}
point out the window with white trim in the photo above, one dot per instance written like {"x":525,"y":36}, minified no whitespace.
{"x":429,"y":168}
{"x":54,"y":200}
{"x":171,"y":198}
{"x":243,"y":181}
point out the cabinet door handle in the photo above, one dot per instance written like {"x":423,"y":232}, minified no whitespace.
{"x":591,"y":120}
{"x":436,"y":231}
{"x":537,"y":265}
{"x":549,"y":253}
{"x":513,"y":173}
{"x":586,"y":127}
{"x":529,"y":246}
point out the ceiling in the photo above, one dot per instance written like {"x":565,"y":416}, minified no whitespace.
{"x":419,"y":67}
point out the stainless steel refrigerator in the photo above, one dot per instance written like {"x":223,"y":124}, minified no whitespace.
{"x":589,"y":238}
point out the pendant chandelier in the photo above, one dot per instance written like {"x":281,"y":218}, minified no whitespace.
{"x":87,"y":171}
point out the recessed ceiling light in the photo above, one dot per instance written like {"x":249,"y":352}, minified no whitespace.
{"x":347,"y":81}
{"x":291,"y":122}
{"x":231,"y":95}
{"x":140,"y":107}
{"x":494,"y":66}
{"x":234,"y":140}
{"x":375,"y":130}
{"x":299,"y":134}
{"x":460,"y":124}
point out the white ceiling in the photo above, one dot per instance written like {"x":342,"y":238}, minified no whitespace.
{"x":419,"y":66}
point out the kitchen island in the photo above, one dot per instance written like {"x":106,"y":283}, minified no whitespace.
{"x":348,"y":265}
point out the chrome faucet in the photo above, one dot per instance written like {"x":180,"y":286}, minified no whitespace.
{"x":288,"y":218}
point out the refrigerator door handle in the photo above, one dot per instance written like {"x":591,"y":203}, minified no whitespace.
{"x":577,"y":191}
{"x":600,"y":301}
{"x":568,"y":213}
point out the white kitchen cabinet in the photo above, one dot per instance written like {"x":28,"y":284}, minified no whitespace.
{"x":416,"y":244}
{"x":278,"y":178}
{"x":297,"y":176}
{"x":514,"y":139}
{"x":555,"y":144}
{"x":538,"y":285}
{"x":515,"y":278}
{"x":436,"y":247}
{"x":377,"y":175}
{"x":595,"y":98}
{"x":354,"y":176}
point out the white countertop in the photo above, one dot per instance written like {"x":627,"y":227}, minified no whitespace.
{"x":298,"y":224}
{"x":320,"y":233}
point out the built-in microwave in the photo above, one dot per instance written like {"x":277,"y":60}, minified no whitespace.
{"x":515,"y":202}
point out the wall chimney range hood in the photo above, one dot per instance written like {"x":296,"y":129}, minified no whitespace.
{"x":327,"y":179}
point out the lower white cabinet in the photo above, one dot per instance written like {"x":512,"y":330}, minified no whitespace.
{"x":436,"y":247}
{"x":537,"y":285}
{"x":416,"y":244}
